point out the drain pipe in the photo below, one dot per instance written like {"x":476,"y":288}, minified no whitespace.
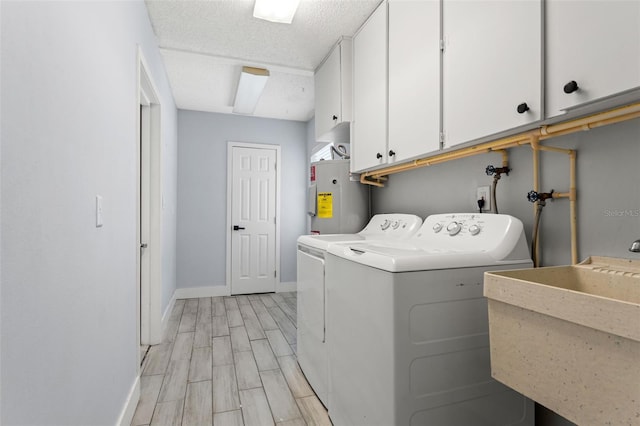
{"x":571,"y":195}
{"x":534,"y":143}
{"x":573,"y":207}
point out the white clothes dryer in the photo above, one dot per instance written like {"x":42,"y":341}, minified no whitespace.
{"x":312,"y":301}
{"x":409,"y":326}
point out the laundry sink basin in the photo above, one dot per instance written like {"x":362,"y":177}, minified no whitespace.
{"x":568,"y":337}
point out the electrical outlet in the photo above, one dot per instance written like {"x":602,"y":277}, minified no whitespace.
{"x":484,"y":193}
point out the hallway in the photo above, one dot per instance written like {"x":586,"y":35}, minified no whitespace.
{"x":228,"y":361}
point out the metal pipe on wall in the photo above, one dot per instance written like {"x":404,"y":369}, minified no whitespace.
{"x":535,"y":155}
{"x":612,"y":116}
{"x":532,"y":138}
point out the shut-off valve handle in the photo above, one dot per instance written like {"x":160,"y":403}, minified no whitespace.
{"x":534,"y":196}
{"x":490,"y":170}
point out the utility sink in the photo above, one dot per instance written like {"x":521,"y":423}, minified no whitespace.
{"x":568,"y":337}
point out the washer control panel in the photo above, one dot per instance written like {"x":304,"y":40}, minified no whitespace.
{"x":465,"y":231}
{"x":456,"y":224}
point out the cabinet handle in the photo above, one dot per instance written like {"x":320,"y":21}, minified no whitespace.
{"x":570,"y":87}
{"x":522,"y":108}
{"x":335,"y":117}
{"x":391,"y":153}
{"x":378,"y":156}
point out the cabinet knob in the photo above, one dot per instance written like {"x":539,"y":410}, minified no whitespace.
{"x":378,"y":156}
{"x":570,"y":87}
{"x":522,"y":108}
{"x":335,"y":118}
{"x":391,"y":153}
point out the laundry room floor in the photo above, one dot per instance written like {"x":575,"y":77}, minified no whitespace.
{"x":228,"y":361}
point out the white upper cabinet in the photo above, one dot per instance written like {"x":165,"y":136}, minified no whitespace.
{"x":333,"y":92}
{"x":369,"y":127}
{"x":592,"y":51}
{"x":492,"y":67}
{"x":414,"y":78}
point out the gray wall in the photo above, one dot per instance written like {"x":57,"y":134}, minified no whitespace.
{"x":202,"y":190}
{"x":69,"y":84}
{"x":608,"y":196}
{"x":607,"y":182}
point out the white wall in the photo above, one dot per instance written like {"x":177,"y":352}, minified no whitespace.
{"x":69,"y":84}
{"x":202,"y":187}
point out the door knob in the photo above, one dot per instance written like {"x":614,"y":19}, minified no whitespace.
{"x":392,"y":153}
{"x":143,"y":245}
{"x":378,"y":156}
{"x":570,"y":87}
{"x":522,"y":108}
{"x":237,"y":228}
{"x":335,"y":117}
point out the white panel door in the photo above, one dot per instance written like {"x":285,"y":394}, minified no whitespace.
{"x":253,"y":209}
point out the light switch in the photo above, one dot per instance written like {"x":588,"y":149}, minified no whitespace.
{"x":98,"y":211}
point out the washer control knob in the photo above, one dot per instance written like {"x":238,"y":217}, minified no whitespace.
{"x":385,"y":225}
{"x":474,"y":229}
{"x":395,"y":224}
{"x":453,"y":228}
{"x":437,"y":227}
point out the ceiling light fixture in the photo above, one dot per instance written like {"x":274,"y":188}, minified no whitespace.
{"x":250,"y":87}
{"x":281,"y":11}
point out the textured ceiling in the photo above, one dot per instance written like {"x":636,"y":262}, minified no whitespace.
{"x":205,"y":44}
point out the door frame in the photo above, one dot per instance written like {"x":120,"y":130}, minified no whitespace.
{"x":230,"y":146}
{"x":149,"y":297}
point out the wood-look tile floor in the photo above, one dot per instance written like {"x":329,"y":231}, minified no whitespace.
{"x":228,"y":361}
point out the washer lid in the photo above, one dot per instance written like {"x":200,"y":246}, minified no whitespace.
{"x":411,"y":259}
{"x":443,"y":242}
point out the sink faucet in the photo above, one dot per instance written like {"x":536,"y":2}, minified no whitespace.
{"x":635,"y":246}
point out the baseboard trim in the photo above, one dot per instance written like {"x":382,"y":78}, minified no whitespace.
{"x":214,"y":291}
{"x":129,"y":409}
{"x":195,"y":292}
{"x":287,"y":286}
{"x":167,"y":313}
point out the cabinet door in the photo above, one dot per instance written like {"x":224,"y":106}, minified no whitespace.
{"x":414,"y":78}
{"x":594,"y":43}
{"x":327,"y":94}
{"x":369,"y":126}
{"x":492,"y":67}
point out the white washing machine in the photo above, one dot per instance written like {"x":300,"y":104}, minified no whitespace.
{"x":409,"y":328}
{"x":312,"y":302}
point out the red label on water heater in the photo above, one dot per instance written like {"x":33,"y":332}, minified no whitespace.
{"x":313,"y":173}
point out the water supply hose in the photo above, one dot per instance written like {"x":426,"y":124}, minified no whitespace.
{"x":540,"y":198}
{"x":341,"y":151}
{"x":494,"y":200}
{"x":496,"y":172}
{"x":534,"y":234}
